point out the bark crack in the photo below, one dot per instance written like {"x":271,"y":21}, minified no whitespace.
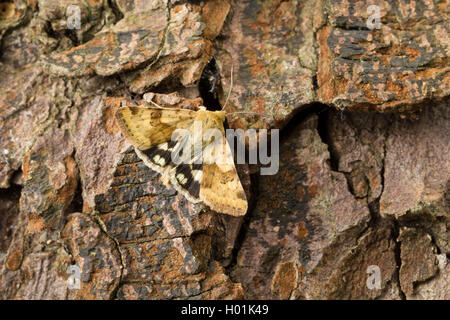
{"x":398,"y":259}
{"x":103,"y":228}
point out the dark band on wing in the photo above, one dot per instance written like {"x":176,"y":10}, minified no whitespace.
{"x":158,"y":156}
{"x":172,"y":144}
{"x":185,"y":177}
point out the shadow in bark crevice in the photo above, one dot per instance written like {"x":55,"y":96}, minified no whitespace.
{"x":9,"y":211}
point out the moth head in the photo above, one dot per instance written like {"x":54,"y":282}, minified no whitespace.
{"x":220,"y":115}
{"x":213,"y":118}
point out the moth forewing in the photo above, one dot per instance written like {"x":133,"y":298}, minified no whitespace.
{"x":221,"y":188}
{"x":146,"y":127}
{"x":134,"y":128}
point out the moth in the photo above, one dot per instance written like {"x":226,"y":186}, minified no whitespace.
{"x":198,"y":178}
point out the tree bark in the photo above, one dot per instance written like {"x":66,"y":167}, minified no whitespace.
{"x":364,"y":172}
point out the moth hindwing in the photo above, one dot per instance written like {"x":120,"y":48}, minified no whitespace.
{"x":205,"y":172}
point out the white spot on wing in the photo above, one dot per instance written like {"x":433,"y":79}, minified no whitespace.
{"x":181,"y":178}
{"x":197,"y":174}
{"x":164,"y":146}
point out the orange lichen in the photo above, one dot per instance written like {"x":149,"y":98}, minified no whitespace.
{"x":256,"y":65}
{"x":327,"y":90}
{"x":14,"y":260}
{"x":285,"y":280}
{"x":302,"y":231}
{"x":35,"y":223}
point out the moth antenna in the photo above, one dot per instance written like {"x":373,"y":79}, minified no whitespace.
{"x":229,"y":93}
{"x":155,"y":104}
{"x":250,"y":112}
{"x":247,"y":112}
{"x":231,"y":87}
